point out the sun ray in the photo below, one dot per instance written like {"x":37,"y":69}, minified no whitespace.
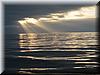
{"x":81,"y":13}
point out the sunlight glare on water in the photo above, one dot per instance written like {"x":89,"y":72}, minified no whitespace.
{"x":56,"y":52}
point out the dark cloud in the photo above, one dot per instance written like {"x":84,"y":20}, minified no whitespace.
{"x":13,"y":13}
{"x":16,"y":12}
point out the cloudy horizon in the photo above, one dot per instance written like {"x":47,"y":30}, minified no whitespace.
{"x":50,"y":18}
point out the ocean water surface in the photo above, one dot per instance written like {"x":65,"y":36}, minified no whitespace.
{"x":56,"y":52}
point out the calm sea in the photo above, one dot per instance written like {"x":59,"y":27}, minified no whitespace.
{"x":57,"y":52}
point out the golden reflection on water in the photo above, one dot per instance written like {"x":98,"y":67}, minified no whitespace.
{"x":74,"y":42}
{"x":46,"y":50}
{"x":24,"y":72}
{"x":87,"y":66}
{"x":86,"y":62}
{"x":32,"y":40}
{"x":37,"y":68}
{"x":75,"y":58}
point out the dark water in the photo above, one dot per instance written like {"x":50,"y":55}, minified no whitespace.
{"x":70,"y":52}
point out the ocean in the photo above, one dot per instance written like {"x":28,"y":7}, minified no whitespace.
{"x":56,"y":52}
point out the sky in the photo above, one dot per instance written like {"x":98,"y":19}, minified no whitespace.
{"x":49,"y":18}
